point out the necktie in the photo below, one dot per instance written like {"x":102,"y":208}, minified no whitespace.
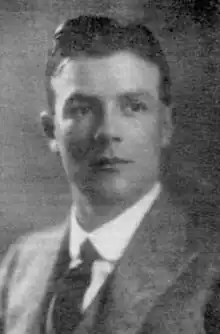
{"x":67,"y":301}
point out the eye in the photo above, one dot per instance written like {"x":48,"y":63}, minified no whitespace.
{"x":133,"y":107}
{"x":81,"y":110}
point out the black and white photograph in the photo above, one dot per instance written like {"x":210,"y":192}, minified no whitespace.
{"x":109,"y":167}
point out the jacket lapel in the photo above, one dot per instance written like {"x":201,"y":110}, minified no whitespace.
{"x":155,"y":257}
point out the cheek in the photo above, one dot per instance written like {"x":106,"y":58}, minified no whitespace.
{"x":75,"y":139}
{"x":145,"y":133}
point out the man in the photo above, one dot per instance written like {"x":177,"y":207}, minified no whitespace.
{"x":127,"y":260}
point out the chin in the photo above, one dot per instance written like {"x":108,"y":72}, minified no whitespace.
{"x":110,"y":191}
{"x":117,"y":184}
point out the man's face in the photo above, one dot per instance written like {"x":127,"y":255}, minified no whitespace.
{"x":109,"y":124}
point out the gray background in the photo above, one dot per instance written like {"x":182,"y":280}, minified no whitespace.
{"x":33,"y":189}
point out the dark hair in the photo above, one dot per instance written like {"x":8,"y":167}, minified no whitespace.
{"x":101,"y":36}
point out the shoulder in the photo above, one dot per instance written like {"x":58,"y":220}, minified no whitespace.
{"x":43,"y":240}
{"x":170,"y":210}
{"x":31,"y":249}
{"x":28,"y":263}
{"x":39,"y":245}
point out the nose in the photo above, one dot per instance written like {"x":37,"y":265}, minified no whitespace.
{"x":109,"y":127}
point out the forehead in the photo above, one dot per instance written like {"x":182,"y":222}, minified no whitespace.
{"x":109,"y":76}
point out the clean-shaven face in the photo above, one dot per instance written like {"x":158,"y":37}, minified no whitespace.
{"x":108,"y":124}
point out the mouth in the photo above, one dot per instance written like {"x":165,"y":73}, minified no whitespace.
{"x":106,"y":163}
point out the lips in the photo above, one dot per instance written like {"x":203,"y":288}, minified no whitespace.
{"x":105,"y":162}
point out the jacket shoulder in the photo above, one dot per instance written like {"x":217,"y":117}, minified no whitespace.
{"x":37,"y":246}
{"x":27,"y":264}
{"x":28,"y":250}
{"x":170,"y":212}
{"x":39,"y":241}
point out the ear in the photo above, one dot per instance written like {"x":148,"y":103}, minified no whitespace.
{"x":166,"y":126}
{"x":47,"y":122}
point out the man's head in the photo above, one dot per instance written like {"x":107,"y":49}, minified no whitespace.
{"x":108,"y":90}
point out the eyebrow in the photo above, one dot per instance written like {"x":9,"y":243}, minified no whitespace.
{"x":82,"y":97}
{"x":136,"y":95}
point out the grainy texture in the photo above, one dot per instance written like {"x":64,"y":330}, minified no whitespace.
{"x":34,"y":192}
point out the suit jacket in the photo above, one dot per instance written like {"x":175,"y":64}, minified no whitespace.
{"x":162,"y":284}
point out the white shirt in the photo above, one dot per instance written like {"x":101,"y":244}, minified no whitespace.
{"x":121,"y":230}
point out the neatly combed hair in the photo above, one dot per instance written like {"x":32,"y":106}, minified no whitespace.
{"x":98,"y":36}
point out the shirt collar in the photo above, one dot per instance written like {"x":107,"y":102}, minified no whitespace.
{"x":111,"y":239}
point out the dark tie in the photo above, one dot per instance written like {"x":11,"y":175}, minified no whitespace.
{"x":66,"y":303}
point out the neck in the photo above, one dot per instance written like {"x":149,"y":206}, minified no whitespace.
{"x":93,"y":213}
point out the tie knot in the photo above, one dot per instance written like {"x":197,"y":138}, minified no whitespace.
{"x":88,"y":253}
